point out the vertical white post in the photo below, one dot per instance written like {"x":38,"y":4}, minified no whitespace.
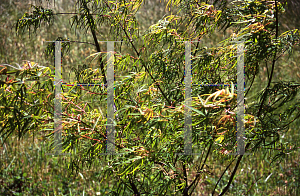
{"x":57,"y":100}
{"x":240,"y":100}
{"x":188,"y":101}
{"x":110,"y":98}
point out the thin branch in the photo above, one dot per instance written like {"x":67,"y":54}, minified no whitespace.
{"x":273,"y":63}
{"x":138,"y":54}
{"x":250,"y":86}
{"x":91,"y":23}
{"x":234,"y":171}
{"x":284,"y":126}
{"x":285,"y":51}
{"x":275,"y":148}
{"x":77,"y":14}
{"x":252,"y":185}
{"x":91,"y":92}
{"x":101,"y":134}
{"x":267,"y":70}
{"x":198,"y":175}
{"x":133,"y":187}
{"x":84,"y":42}
{"x":222,"y":176}
{"x":185,"y":191}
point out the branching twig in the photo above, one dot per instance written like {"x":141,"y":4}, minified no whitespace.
{"x":234,"y":171}
{"x":252,"y":185}
{"x":133,"y":187}
{"x":273,"y":63}
{"x":198,"y":175}
{"x":222,"y":176}
{"x":143,"y":64}
{"x":91,"y":23}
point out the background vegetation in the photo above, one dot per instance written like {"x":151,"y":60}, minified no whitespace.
{"x":150,"y":117}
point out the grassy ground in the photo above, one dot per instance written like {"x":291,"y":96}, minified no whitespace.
{"x":26,"y":169}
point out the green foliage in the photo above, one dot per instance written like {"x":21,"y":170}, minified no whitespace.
{"x":24,"y":99}
{"x":38,"y":15}
{"x":149,"y":95}
{"x":65,"y":46}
